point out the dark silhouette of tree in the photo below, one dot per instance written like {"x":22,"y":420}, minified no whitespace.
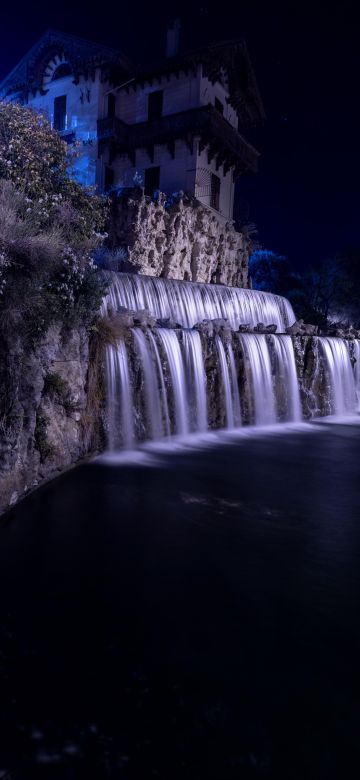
{"x":325,"y":293}
{"x":271,"y":272}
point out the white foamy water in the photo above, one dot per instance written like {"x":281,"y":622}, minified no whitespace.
{"x":188,"y":303}
{"x":340,"y":375}
{"x":166,"y":383}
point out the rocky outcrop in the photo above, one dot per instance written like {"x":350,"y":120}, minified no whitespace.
{"x":50,"y":409}
{"x":315,"y":390}
{"x":301,"y":328}
{"x":183,"y":241}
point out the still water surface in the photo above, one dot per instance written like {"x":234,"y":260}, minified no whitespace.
{"x":193,"y":616}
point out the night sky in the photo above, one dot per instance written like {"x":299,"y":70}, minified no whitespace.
{"x":305,"y":200}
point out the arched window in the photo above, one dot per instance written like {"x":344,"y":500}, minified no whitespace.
{"x":56,"y":68}
{"x":62,"y":70}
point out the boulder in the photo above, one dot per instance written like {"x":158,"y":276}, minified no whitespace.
{"x":300,"y":328}
{"x":166,"y":322}
{"x":206,"y":327}
{"x":144,"y":318}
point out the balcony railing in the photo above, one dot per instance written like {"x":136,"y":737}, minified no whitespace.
{"x":204,"y":122}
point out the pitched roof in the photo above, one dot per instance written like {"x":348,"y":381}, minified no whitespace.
{"x":83,"y":55}
{"x":228,"y":57}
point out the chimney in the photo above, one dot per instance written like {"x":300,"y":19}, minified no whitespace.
{"x":172,"y":38}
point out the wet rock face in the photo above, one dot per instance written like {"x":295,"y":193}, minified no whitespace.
{"x":47,"y":424}
{"x":185,"y":241}
{"x":314,"y":385}
{"x":346,"y":332}
{"x":300,"y":328}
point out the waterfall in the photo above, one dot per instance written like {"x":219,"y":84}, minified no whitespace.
{"x":188,"y":303}
{"x":196,"y":380}
{"x":259,"y":377}
{"x":225,"y":381}
{"x":175,"y":363}
{"x":235,"y":395}
{"x":163,"y":394}
{"x":120,"y":402}
{"x":152,"y":398}
{"x":286,"y":376}
{"x":179,"y":380}
{"x":357,"y":372}
{"x":340,"y":376}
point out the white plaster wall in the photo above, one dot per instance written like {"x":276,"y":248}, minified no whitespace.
{"x":178,"y":174}
{"x":81,"y":118}
{"x":175,"y":174}
{"x":180,"y":94}
{"x":187,"y":91}
{"x":227,"y":185}
{"x":208,"y":93}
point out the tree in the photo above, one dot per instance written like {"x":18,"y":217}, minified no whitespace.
{"x":36,"y":160}
{"x":324,"y":293}
{"x":271,"y":272}
{"x":321,"y":294}
{"x":49,"y":227}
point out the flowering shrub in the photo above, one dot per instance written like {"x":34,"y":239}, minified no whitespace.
{"x":49,"y":227}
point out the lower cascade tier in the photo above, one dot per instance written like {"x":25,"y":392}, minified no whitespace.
{"x":164,"y":381}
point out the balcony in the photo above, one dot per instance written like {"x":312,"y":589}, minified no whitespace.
{"x":221,"y":140}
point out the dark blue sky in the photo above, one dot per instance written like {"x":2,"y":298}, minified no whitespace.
{"x":305,"y":200}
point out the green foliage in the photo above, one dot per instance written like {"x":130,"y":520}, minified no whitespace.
{"x":42,"y":443}
{"x":111,"y":259}
{"x":269,"y":271}
{"x":58,"y":389}
{"x":325,"y":293}
{"x":55,"y":385}
{"x":49,"y":228}
{"x":36,"y":160}
{"x":321,"y":295}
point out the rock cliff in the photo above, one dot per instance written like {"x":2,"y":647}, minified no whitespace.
{"x":183,"y":240}
{"x":50,"y":408}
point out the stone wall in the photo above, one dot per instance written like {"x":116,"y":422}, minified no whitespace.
{"x":184,"y":241}
{"x":50,"y":409}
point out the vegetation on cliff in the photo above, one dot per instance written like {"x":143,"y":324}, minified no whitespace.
{"x":325,"y":293}
{"x":49,"y":228}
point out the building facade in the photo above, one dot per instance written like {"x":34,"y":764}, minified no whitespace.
{"x":177,"y":126}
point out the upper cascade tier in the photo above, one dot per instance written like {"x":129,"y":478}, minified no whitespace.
{"x":187,"y":303}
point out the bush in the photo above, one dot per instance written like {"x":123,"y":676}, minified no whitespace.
{"x":49,"y":228}
{"x":111,"y":259}
{"x":42,"y":443}
{"x":58,"y":389}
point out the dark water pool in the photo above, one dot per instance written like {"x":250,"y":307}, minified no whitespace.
{"x":195,"y":618}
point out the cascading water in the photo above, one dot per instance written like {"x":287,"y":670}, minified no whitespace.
{"x":286,"y":377}
{"x":179,"y":380}
{"x":175,"y":363}
{"x":340,"y":375}
{"x":120,"y":402}
{"x":196,"y":380}
{"x":259,"y":377}
{"x":357,"y":373}
{"x":154,"y":421}
{"x":225,"y":382}
{"x":165,"y":406}
{"x":188,"y":303}
{"x":234,"y":387}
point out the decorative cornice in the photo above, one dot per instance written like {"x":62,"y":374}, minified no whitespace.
{"x":227,"y":62}
{"x":84,"y":57}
